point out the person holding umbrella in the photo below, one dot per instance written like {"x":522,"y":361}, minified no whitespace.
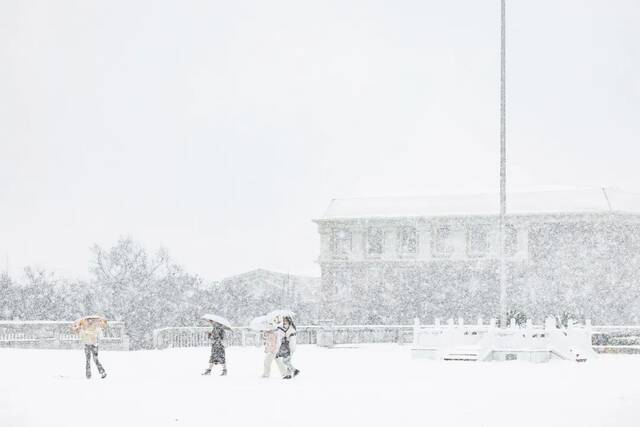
{"x":286,"y":334}
{"x":270,"y":339}
{"x":216,"y":335}
{"x":89,"y":329}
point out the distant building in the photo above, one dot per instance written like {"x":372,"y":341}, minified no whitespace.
{"x":390,"y":259}
{"x":288,"y":288}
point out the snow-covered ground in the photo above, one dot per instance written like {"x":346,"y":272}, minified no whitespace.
{"x":374,"y":385}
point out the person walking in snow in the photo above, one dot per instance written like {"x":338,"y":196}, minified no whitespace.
{"x":270,"y":350}
{"x":286,"y":334}
{"x":218,"y":356}
{"x":90,"y":329}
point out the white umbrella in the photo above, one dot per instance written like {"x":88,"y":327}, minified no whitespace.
{"x":261,"y":323}
{"x":280,"y":314}
{"x":217,"y":319}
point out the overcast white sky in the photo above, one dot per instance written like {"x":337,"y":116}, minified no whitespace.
{"x":219,"y":129}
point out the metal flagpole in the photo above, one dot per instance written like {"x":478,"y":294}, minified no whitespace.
{"x":503,"y":171}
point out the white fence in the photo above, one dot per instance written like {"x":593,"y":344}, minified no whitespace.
{"x":57,"y":335}
{"x":174,"y":337}
{"x":464,"y":337}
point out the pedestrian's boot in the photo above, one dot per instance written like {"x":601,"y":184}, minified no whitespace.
{"x":296,"y":372}
{"x":286,"y":377}
{"x":207,"y":372}
{"x":224,"y":372}
{"x":103,"y":374}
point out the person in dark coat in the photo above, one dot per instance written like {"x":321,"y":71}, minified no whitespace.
{"x":89,"y":330}
{"x":218,"y":356}
{"x":287,"y":345}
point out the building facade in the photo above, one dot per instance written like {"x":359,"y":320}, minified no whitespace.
{"x":387,"y":260}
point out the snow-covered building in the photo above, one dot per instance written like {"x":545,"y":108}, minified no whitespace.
{"x":390,"y":259}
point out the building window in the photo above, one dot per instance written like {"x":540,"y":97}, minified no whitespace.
{"x":375,"y":241}
{"x":442,"y":245}
{"x":478,"y":241}
{"x":510,"y":240}
{"x":342,"y":281}
{"x":341,"y":243}
{"x":408,"y":240}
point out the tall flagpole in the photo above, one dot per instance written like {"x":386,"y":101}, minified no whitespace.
{"x":503,"y":169}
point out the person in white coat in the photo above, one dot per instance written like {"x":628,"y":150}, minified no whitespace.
{"x":286,"y":334}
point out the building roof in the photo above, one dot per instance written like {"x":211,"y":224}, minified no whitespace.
{"x":597,"y":200}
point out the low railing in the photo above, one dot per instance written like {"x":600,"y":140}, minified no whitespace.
{"x":616,"y":339}
{"x":57,"y":335}
{"x":364,"y":334}
{"x":175,"y":337}
{"x":605,"y":338}
{"x":194,"y":336}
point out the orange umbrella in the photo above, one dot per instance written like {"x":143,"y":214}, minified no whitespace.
{"x":86,"y":320}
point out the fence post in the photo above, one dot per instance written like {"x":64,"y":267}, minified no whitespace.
{"x":57,"y":342}
{"x":589,"y":333}
{"x":125,"y":341}
{"x":325,"y":336}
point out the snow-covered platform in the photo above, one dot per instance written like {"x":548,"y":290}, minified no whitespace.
{"x":369,"y":385}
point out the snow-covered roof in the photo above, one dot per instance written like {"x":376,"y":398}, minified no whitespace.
{"x":599,"y":200}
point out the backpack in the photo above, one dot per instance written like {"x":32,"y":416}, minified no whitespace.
{"x":284,"y":350}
